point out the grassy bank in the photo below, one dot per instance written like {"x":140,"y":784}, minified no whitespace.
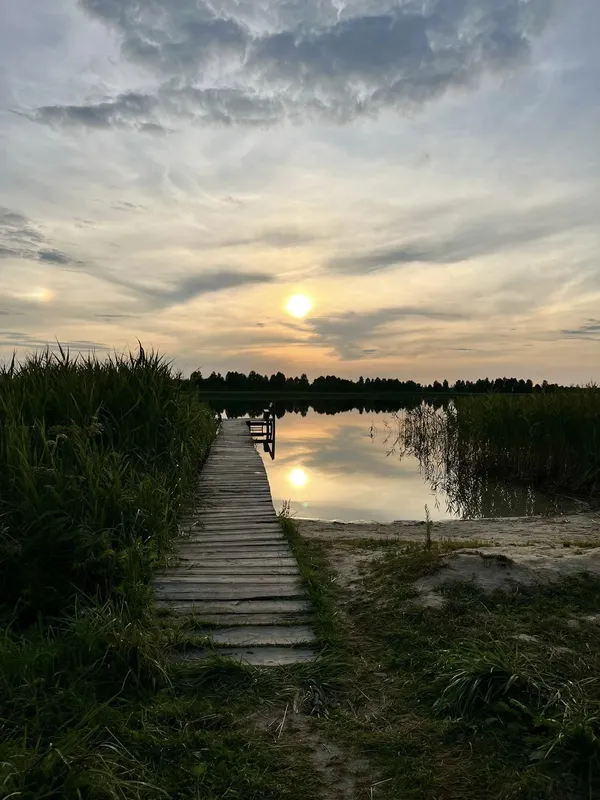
{"x":490,"y":697}
{"x":551,"y":441}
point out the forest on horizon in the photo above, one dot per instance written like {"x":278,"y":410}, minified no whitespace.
{"x":331,"y":384}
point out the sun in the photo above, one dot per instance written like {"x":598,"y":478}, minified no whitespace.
{"x":298,"y":305}
{"x":298,"y":477}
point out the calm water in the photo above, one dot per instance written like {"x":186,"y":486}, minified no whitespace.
{"x":338,"y":467}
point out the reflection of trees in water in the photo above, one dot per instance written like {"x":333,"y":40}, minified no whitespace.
{"x":239,"y":406}
{"x":452,"y":465}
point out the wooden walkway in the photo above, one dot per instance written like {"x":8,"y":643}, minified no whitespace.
{"x":234,"y":572}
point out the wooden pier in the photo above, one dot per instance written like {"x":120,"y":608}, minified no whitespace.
{"x":234,"y":569}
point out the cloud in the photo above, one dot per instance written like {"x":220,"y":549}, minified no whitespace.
{"x":25,"y":341}
{"x":257,"y":64}
{"x":127,"y":110}
{"x":589,"y":331}
{"x":277,"y":238}
{"x":188,"y":288}
{"x":114,"y":317}
{"x":20,"y":238}
{"x":346,"y":332}
{"x":482,"y":236}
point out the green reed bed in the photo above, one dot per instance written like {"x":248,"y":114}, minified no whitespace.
{"x":551,"y":441}
{"x":96,"y":458}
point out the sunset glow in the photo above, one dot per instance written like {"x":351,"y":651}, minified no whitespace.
{"x":298,"y":477}
{"x":39,"y":295}
{"x":299,"y":305}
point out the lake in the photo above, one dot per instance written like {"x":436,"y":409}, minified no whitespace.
{"x":338,"y":466}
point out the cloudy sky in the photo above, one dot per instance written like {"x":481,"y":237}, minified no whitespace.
{"x":426,"y":171}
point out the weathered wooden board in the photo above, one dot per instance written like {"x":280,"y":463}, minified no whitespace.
{"x":198,"y":568}
{"x":258,"y":656}
{"x":263,"y":635}
{"x":212,"y":591}
{"x":201,"y":607}
{"x":176,"y":576}
{"x":250,"y":619}
{"x":235,"y":563}
{"x":233,"y":567}
{"x":243,"y":552}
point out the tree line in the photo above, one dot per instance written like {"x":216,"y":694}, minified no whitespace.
{"x":330,"y":384}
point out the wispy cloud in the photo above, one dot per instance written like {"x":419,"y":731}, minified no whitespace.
{"x":24,"y":341}
{"x":349,"y":333}
{"x":588,"y":331}
{"x":483,"y":235}
{"x":186,"y":289}
{"x":20,"y":238}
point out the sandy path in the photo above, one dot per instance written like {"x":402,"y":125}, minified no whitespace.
{"x":516,"y":531}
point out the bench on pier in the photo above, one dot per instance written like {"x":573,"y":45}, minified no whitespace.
{"x":263,"y":430}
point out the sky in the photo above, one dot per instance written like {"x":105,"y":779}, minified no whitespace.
{"x":426,"y":172}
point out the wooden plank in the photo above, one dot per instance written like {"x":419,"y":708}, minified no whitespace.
{"x":262,"y":635}
{"x":231,"y":620}
{"x":212,"y":591}
{"x":176,"y":576}
{"x":260,"y":550}
{"x":239,"y":553}
{"x":199,"y":568}
{"x":248,"y":607}
{"x":247,"y":565}
{"x":227,"y":544}
{"x":259,"y":656}
{"x":233,"y":540}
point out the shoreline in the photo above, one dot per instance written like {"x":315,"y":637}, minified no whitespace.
{"x":501,"y":531}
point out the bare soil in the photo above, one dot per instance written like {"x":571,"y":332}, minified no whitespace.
{"x":517,"y":531}
{"x":499,"y":554}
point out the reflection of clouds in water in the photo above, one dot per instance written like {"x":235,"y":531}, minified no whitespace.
{"x":342,"y":470}
{"x":345,"y":449}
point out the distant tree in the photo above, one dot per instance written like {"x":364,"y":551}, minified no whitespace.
{"x":277,"y":381}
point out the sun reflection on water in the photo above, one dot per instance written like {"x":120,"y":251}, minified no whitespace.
{"x":298,"y":477}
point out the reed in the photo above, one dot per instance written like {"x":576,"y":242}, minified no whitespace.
{"x":96,"y":458}
{"x":476,"y":447}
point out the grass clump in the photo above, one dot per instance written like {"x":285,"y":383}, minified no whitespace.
{"x":96,"y":459}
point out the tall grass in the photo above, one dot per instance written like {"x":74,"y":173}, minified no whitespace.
{"x":552,"y":440}
{"x":96,"y":458}
{"x":547,"y":441}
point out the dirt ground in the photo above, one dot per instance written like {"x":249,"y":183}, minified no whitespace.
{"x":499,"y":554}
{"x":518,"y":531}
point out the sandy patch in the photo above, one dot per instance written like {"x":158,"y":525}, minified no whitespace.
{"x":508,"y":570}
{"x":490,"y":532}
{"x":510,"y":553}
